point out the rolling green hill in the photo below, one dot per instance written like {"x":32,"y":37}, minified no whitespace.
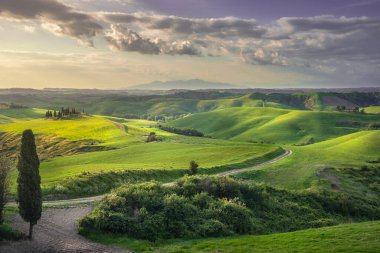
{"x":372,"y":109}
{"x":275,"y":125}
{"x":185,"y":102}
{"x":353,"y":238}
{"x":9,"y":115}
{"x":118,"y":144}
{"x":301,"y":170}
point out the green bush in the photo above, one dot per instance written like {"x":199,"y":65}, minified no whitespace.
{"x":201,"y":206}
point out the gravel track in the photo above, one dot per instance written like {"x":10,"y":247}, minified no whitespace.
{"x":56,"y":232}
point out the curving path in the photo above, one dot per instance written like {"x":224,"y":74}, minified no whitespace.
{"x":57,"y":230}
{"x":287,"y":153}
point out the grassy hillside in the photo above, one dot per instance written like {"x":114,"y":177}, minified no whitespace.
{"x":275,"y":125}
{"x":350,"y":238}
{"x":126,"y":147}
{"x":9,"y":115}
{"x":104,"y":103}
{"x":301,"y":169}
{"x":372,"y":109}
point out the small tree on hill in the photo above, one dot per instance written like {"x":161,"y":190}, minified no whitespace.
{"x":29,"y":180}
{"x":4,"y":170}
{"x":152,"y":137}
{"x":193,"y":168}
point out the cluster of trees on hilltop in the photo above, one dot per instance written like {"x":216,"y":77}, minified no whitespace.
{"x":343,"y":108}
{"x":187,"y":132}
{"x":62,"y":113}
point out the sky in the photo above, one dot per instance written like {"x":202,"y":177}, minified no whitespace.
{"x":116,"y":44}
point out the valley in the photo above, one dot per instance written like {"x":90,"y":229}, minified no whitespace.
{"x":295,"y":147}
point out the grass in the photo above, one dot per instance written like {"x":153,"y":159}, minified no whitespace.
{"x":372,"y":109}
{"x":300,"y":170}
{"x":126,"y":138}
{"x":6,"y":231}
{"x":75,"y":128}
{"x":275,"y":125}
{"x":354,"y":237}
{"x":159,"y":155}
{"x":10,"y":115}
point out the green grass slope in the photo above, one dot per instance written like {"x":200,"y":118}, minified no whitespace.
{"x":126,"y":147}
{"x":301,"y":169}
{"x":372,"y":109}
{"x":275,"y":125}
{"x":9,"y":115}
{"x":354,"y":238}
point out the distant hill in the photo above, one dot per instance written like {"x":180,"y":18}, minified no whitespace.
{"x":194,"y":84}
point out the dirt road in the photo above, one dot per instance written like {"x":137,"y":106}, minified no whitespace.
{"x":56,"y":232}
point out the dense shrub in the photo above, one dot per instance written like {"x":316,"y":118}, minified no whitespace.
{"x":201,"y":206}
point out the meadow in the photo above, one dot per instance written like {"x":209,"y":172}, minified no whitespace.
{"x":128,"y":149}
{"x":274,"y":125}
{"x":334,"y":162}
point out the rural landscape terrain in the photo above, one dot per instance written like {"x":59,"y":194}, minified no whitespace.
{"x":198,"y":171}
{"x":191,"y":126}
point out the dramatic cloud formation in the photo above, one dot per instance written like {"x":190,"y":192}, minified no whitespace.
{"x":213,"y":27}
{"x":325,"y":45}
{"x":124,"y":39}
{"x":55,"y":16}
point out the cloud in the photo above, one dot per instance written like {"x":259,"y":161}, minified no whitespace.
{"x":326,"y":23}
{"x":29,"y":28}
{"x":121,"y":38}
{"x":66,"y":20}
{"x":212,"y":27}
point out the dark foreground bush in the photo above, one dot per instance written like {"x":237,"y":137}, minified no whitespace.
{"x":209,"y":206}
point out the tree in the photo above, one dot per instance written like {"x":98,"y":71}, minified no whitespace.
{"x":193,"y":168}
{"x":152,"y":137}
{"x":4,"y":183}
{"x":29,"y":181}
{"x":55,"y":114}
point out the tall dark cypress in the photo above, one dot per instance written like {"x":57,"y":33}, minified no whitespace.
{"x":29,"y":181}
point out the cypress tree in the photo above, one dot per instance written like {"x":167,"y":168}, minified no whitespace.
{"x":29,"y":180}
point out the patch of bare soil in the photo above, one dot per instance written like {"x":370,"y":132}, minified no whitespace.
{"x":56,"y":232}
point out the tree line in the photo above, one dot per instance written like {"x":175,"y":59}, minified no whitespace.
{"x":343,"y":108}
{"x":187,"y":132}
{"x":63,"y":113}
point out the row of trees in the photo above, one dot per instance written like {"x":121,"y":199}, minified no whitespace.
{"x":187,"y":132}
{"x":28,"y":182}
{"x":63,"y":112}
{"x":343,"y":108}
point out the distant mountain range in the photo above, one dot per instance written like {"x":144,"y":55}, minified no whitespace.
{"x":194,"y":84}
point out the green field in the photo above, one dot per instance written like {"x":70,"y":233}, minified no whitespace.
{"x":9,"y":115}
{"x":128,"y":149}
{"x":355,"y":238}
{"x":300,"y":170}
{"x":275,"y":125}
{"x":372,"y":109}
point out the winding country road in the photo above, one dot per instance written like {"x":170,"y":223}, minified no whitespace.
{"x":57,"y":229}
{"x":287,"y":153}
